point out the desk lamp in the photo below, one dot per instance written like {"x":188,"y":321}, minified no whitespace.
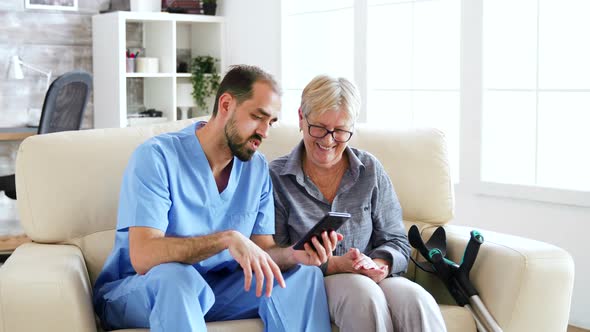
{"x":16,"y":71}
{"x":184,"y":99}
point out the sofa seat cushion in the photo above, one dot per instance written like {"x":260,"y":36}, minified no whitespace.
{"x":457,"y":319}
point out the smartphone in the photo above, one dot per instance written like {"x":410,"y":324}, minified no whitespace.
{"x":330,"y":222}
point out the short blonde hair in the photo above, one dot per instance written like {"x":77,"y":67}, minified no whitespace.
{"x":326,"y":93}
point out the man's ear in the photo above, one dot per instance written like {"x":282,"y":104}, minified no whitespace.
{"x":225,"y":103}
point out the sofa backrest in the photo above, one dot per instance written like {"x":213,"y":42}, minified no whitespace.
{"x":68,"y":183}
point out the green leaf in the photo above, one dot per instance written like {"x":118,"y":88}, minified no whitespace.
{"x":205,"y":78}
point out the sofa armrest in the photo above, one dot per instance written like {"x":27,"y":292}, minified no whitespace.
{"x":525,"y":284}
{"x":45,"y":287}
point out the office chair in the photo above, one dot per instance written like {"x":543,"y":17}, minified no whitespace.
{"x":63,"y":109}
{"x":65,"y":102}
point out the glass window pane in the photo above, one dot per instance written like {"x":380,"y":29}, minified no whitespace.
{"x":564,"y":46}
{"x":307,"y":6}
{"x":385,"y":2}
{"x":437,"y":44}
{"x":509,"y":44}
{"x":290,"y":102}
{"x":440,"y":110}
{"x":508,"y":137}
{"x":564,"y":140}
{"x":317,"y":43}
{"x":389,"y":45}
{"x":390,"y":108}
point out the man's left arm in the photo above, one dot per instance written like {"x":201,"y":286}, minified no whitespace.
{"x":286,"y":258}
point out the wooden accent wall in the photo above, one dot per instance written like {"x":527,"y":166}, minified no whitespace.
{"x":55,"y":40}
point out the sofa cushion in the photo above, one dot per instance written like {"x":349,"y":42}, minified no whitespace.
{"x":83,"y":168}
{"x":457,"y":319}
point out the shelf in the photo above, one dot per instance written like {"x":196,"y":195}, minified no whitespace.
{"x":187,"y":75}
{"x":16,"y":134}
{"x":150,"y":75}
{"x":171,"y":38}
{"x":139,"y":122}
{"x":163,"y":16}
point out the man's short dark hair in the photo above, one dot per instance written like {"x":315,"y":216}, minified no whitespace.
{"x":239,"y":81}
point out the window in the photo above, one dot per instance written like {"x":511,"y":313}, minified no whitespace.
{"x":316,"y":39}
{"x":536,"y":93}
{"x":521,"y":74}
{"x":413,"y":58}
{"x":409,"y":73}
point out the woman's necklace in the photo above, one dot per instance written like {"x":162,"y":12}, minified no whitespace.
{"x":328,"y":182}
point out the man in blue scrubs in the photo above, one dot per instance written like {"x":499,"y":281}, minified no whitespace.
{"x":195,"y":225}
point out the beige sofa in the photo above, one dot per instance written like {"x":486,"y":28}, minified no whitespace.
{"x":68,"y":186}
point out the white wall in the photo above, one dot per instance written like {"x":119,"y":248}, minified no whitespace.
{"x":253,"y":31}
{"x":254,"y":37}
{"x":567,"y":227}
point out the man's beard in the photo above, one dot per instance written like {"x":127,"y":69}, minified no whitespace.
{"x":239,"y":150}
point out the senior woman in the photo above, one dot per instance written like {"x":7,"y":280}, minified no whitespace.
{"x":322,"y":174}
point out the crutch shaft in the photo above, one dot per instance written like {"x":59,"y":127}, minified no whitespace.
{"x":478,"y":323}
{"x":483,"y":312}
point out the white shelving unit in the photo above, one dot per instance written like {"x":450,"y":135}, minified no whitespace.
{"x":162,"y":35}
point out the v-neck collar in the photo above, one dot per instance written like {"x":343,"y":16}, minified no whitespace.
{"x":200,"y":158}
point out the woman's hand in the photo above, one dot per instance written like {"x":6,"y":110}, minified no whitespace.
{"x":376,"y":269}
{"x":344,"y":263}
{"x":320,"y":252}
{"x":356,"y":262}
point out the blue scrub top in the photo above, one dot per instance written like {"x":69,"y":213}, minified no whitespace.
{"x":168,"y":185}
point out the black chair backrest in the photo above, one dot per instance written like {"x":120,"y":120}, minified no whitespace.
{"x":65,"y":102}
{"x":8,"y":185}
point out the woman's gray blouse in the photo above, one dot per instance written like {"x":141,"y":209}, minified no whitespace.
{"x":365,"y":191}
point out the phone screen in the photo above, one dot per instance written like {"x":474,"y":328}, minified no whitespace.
{"x":330,"y":222}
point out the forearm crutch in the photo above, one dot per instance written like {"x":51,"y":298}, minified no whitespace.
{"x":455,"y":276}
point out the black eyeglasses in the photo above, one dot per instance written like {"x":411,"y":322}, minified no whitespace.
{"x":339,"y":135}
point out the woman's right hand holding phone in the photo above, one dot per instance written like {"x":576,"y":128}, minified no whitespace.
{"x":316,"y":252}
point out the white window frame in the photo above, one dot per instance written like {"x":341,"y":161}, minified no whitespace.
{"x":470,"y":150}
{"x":471,"y":110}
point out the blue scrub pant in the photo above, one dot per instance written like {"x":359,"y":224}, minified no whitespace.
{"x":176,"y":297}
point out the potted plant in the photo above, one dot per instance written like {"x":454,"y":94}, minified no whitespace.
{"x":204,"y":78}
{"x":209,"y":7}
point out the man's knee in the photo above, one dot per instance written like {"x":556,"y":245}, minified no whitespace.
{"x":311,"y":271}
{"x":171,"y":276}
{"x":305,"y":274}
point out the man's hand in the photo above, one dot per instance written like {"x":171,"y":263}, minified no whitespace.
{"x":320,"y":255}
{"x":253,"y":259}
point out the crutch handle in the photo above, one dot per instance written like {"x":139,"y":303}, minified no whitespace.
{"x":469,"y":257}
{"x":438,"y":261}
{"x":471,"y":251}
